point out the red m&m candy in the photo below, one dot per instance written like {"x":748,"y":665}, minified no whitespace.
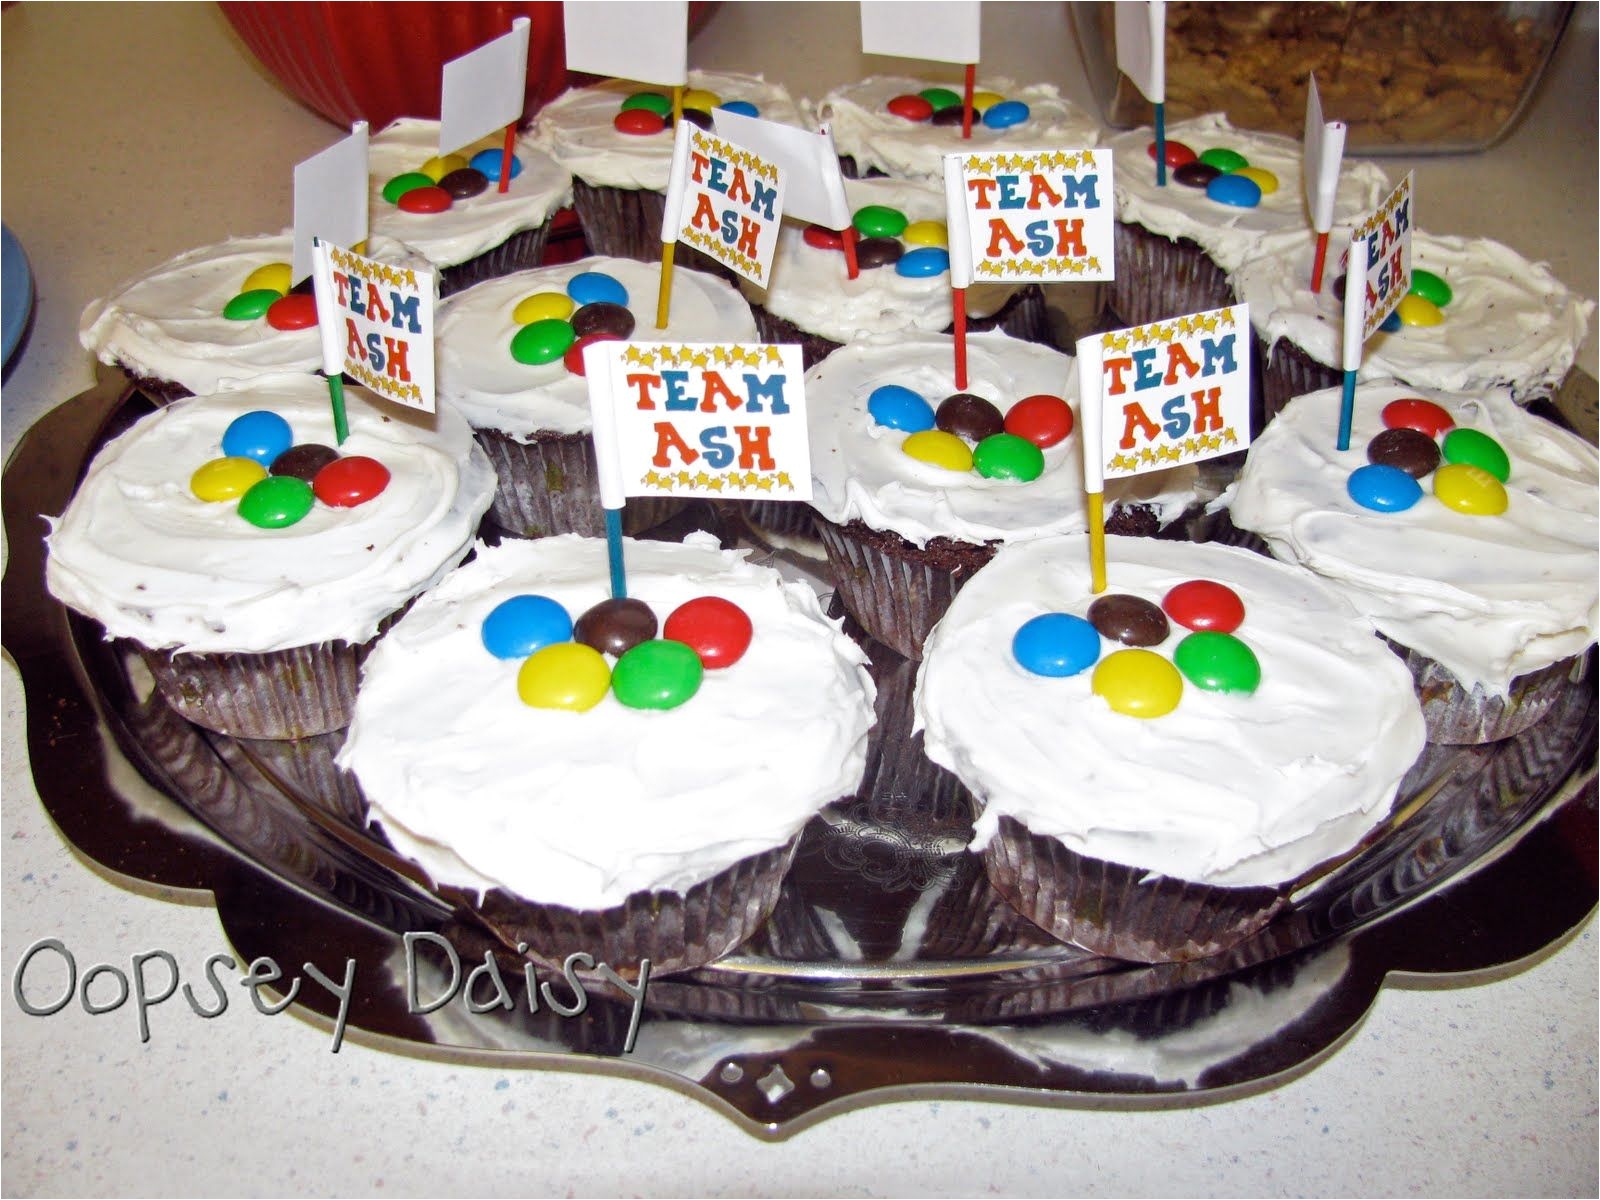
{"x":822,"y":238}
{"x":294,"y":311}
{"x":1422,"y":415}
{"x":1177,"y":153}
{"x":912,"y":108}
{"x":1043,"y":420}
{"x":425,"y":200}
{"x":347,"y":482}
{"x":573,"y":358}
{"x":1204,"y":604}
{"x":639,"y":121}
{"x":718,"y":630}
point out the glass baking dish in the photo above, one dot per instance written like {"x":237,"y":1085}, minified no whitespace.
{"x":1406,"y":78}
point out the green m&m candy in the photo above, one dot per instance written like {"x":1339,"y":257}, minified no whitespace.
{"x":651,"y":101}
{"x":247,"y":306}
{"x":1217,"y":662}
{"x":657,"y":674}
{"x":401,"y":184}
{"x":277,"y":502}
{"x":542,"y":342}
{"x":1007,"y":456}
{"x":940,"y":97}
{"x":879,"y":220}
{"x":1224,"y":159}
{"x":1477,"y":449}
{"x":1430,"y":287}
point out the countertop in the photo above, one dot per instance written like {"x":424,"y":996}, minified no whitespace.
{"x":135,"y":131}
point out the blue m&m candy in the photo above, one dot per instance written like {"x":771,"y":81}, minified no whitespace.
{"x":1006,"y":114}
{"x":923,"y":262}
{"x":523,"y":624}
{"x":488,"y":162}
{"x":1056,"y":644}
{"x":900,"y":408}
{"x":596,"y":287}
{"x":1237,"y":191}
{"x":260,"y":435}
{"x":743,"y":107}
{"x":1391,"y":323}
{"x":1383,"y":488}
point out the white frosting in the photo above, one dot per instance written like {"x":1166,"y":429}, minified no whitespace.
{"x":1510,"y":323}
{"x":167,"y":323}
{"x":862,"y":125}
{"x":585,"y":808}
{"x":140,"y":553}
{"x":859,"y":472}
{"x":1228,"y":234}
{"x":470,"y":226}
{"x":1490,"y":598}
{"x":478,"y":375}
{"x":812,"y":288}
{"x":576,"y":127}
{"x":1228,"y":789}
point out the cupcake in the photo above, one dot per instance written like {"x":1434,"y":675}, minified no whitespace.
{"x":898,"y":461}
{"x":901,"y":127}
{"x":1479,"y":316}
{"x":1148,"y":792}
{"x":215,"y":319}
{"x":508,"y":360}
{"x":903,"y":286}
{"x":251,"y":594}
{"x":645,"y":820}
{"x":620,"y":164}
{"x":1175,"y":245}
{"x":1480,"y":565}
{"x":462,"y":223}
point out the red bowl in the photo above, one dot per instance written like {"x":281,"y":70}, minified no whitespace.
{"x":381,"y":59}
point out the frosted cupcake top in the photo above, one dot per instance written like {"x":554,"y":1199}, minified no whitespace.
{"x":139,"y":551}
{"x":577,"y":128}
{"x":480,"y":376}
{"x":473,"y":223}
{"x":1229,"y":233}
{"x":867,"y":128}
{"x":584,"y":808}
{"x":1230,"y":788}
{"x":861,"y":470}
{"x":1490,"y":595}
{"x":1508,"y":322}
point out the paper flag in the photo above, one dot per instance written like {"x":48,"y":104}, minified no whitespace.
{"x":1141,"y":27}
{"x":483,"y":90}
{"x":1380,"y":265}
{"x":1033,"y":216}
{"x":1165,"y":394}
{"x":646,"y":40}
{"x":1324,"y":151}
{"x":813,"y":187}
{"x":725,"y":201}
{"x":377,"y":324}
{"x":940,"y":30}
{"x":330,"y":198}
{"x":713,"y":420}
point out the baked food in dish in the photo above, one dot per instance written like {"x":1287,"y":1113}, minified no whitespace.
{"x":169,"y":328}
{"x":1508,"y":323}
{"x":479,"y":232}
{"x":257,"y":630}
{"x":1488,"y":608}
{"x":532,"y":417}
{"x":1171,"y":836}
{"x":873,"y":137}
{"x":623,"y":832}
{"x":619,"y":184}
{"x":1176,"y":244}
{"x":811,"y":300}
{"x":903,"y":533}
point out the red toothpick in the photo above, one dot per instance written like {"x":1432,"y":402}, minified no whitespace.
{"x":1318,"y":262}
{"x":505,"y":156}
{"x":959,"y":299}
{"x":966,"y":100}
{"x":851,"y":266}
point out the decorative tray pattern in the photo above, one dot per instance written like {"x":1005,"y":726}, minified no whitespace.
{"x":889,"y":963}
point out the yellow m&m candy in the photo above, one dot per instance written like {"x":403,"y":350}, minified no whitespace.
{"x":1418,"y":310}
{"x":1137,"y":683}
{"x":226,"y":478}
{"x":984,"y":101}
{"x":437,"y":167}
{"x":272,"y":277}
{"x":543,"y":306}
{"x":700,"y":98}
{"x":926,"y":233}
{"x":1470,"y":490}
{"x":1261,"y":177}
{"x":939,"y":449}
{"x":569,"y":675}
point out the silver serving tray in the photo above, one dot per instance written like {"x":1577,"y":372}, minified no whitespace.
{"x":889,"y":964}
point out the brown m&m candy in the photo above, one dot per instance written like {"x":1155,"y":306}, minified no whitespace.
{"x":1412,"y":451}
{"x":1131,"y":620}
{"x":878,"y":252}
{"x":968,"y":416}
{"x":615,"y":626}
{"x":303,"y":461}
{"x":603,"y":317}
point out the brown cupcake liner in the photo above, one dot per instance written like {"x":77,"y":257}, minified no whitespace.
{"x":1120,"y":911}
{"x":785,"y":518}
{"x":306,"y":767}
{"x":626,"y":223}
{"x":1459,"y":716}
{"x":676,"y":931}
{"x":160,"y":391}
{"x":550,"y":486}
{"x":1287,"y":371}
{"x":522,"y":251}
{"x":1159,"y":277}
{"x":300,"y":692}
{"x":1025,"y":315}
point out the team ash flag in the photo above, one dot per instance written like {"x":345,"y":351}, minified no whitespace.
{"x":1033,"y":216}
{"x":330,"y":198}
{"x":724,"y":200}
{"x":646,"y":40}
{"x":938,"y":30}
{"x":685,"y":419}
{"x":1165,"y":394}
{"x":813,"y":186}
{"x":1380,"y":256}
{"x":377,"y":324}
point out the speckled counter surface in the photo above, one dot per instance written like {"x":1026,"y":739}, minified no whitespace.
{"x":133,"y":132}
